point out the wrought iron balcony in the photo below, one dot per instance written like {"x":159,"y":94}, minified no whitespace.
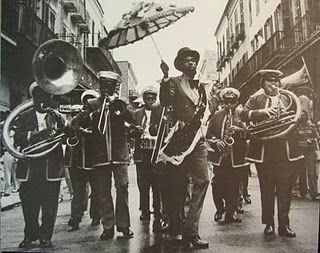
{"x":99,"y":58}
{"x":267,"y":55}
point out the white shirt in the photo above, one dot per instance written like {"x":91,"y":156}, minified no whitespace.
{"x":41,"y":120}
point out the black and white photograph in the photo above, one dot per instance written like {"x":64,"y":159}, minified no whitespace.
{"x":160,"y":126}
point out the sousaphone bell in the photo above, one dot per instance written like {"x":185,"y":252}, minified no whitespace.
{"x":57,"y":69}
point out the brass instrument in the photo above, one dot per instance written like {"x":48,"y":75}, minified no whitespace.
{"x":57,"y":68}
{"x":280,"y":125}
{"x":115,"y":106}
{"x":228,"y":139}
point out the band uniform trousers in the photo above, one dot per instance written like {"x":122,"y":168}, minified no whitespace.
{"x":225,"y":185}
{"x":102,"y":179}
{"x":195,"y":165}
{"x":80,"y":179}
{"x":34,"y":195}
{"x":276,"y":179}
{"x":146,"y":178}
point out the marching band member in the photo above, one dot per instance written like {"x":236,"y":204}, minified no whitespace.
{"x":188,"y":100}
{"x":40,"y":178}
{"x":81,"y":174}
{"x":274,"y":159}
{"x":110,"y":155}
{"x":226,"y":135}
{"x":146,"y":176}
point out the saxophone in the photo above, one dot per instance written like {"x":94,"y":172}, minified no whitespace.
{"x":227,"y":138}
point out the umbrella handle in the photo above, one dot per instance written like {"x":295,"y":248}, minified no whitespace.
{"x":155,"y":45}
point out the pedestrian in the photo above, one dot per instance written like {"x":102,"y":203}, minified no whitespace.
{"x":40,"y":178}
{"x":110,"y":153}
{"x":275,"y":158}
{"x":185,"y":154}
{"x":226,"y":135}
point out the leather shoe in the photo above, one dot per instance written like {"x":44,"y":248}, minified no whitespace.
{"x":73,"y":224}
{"x":45,"y":243}
{"x":247,"y":199}
{"x":173,"y":241}
{"x":232,"y":218}
{"x":95,"y":222}
{"x":286,"y":231}
{"x":107,"y":234}
{"x":25,"y":244}
{"x":194,"y":242}
{"x":269,"y":229}
{"x":240,"y":210}
{"x":217,"y":216}
{"x":127,"y":233}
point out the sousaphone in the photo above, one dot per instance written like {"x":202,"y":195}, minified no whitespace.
{"x":57,"y":68}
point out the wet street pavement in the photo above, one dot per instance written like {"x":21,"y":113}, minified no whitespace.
{"x":244,"y":237}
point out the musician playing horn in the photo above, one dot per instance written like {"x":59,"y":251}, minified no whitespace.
{"x":275,"y":158}
{"x":40,"y":178}
{"x":226,"y":135}
{"x":144,"y":144}
{"x":110,"y":155}
{"x":188,"y":100}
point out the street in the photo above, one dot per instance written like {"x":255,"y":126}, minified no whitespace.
{"x":244,"y":237}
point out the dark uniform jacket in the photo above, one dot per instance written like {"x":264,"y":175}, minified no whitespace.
{"x":238,"y":149}
{"x":184,"y":106}
{"x":275,"y":150}
{"x":111,"y":148}
{"x":49,"y":167}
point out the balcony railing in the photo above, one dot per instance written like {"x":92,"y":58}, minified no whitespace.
{"x":266,"y":55}
{"x":277,"y":47}
{"x":99,"y":58}
{"x":9,"y":18}
{"x":303,"y":30}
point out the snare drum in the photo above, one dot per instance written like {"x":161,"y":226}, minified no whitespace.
{"x":148,"y":143}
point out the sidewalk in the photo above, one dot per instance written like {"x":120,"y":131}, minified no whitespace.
{"x":10,"y":201}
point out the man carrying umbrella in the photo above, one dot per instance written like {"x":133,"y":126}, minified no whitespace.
{"x":188,"y":101}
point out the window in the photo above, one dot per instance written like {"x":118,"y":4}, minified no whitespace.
{"x":52,"y":20}
{"x":278,"y":19}
{"x":250,"y":12}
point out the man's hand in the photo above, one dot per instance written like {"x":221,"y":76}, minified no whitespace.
{"x":270,"y":112}
{"x":165,"y":69}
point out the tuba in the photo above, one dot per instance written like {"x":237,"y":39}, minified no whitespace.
{"x":280,"y":125}
{"x":57,"y":68}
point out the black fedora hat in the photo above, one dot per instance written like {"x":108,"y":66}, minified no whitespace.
{"x":183,"y":52}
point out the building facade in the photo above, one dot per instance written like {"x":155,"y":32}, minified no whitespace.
{"x":26,"y":24}
{"x":129,"y":82}
{"x":277,"y":34}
